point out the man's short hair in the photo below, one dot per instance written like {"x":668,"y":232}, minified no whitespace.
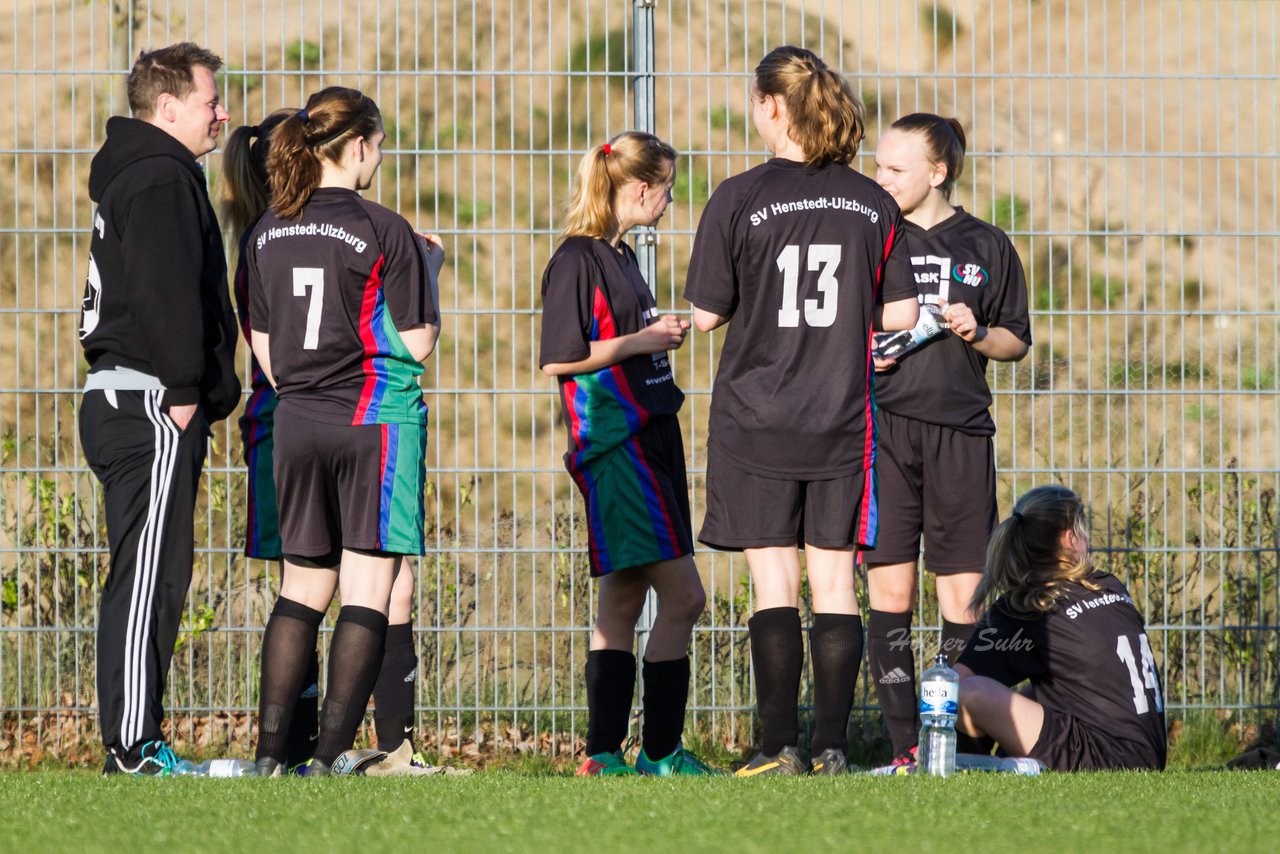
{"x":166,"y":69}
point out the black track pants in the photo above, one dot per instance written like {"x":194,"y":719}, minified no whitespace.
{"x":150,"y":472}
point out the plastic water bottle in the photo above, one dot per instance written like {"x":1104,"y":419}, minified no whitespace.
{"x":1023,"y":766}
{"x":226,"y":768}
{"x":939,"y":704}
{"x":890,"y":345}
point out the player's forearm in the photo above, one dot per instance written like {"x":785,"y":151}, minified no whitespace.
{"x":897,"y":315}
{"x":611,"y":351}
{"x":999,"y":344}
{"x":261,"y":344}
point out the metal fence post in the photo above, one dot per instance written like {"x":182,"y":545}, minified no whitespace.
{"x":646,"y":238}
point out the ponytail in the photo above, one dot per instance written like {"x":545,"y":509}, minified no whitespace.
{"x":827,"y":119}
{"x":332,"y":117}
{"x":1026,"y":558}
{"x":944,"y":142}
{"x":630,"y":156}
{"x":246,"y":191}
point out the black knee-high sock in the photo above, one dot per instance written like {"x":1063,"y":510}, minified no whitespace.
{"x":835,"y":654}
{"x":354,"y":656}
{"x":287,"y":645}
{"x":955,"y":637}
{"x":611,"y":683}
{"x":892,"y":664}
{"x":393,"y":694}
{"x":304,"y":729}
{"x":666,"y":691}
{"x":777,"y":657}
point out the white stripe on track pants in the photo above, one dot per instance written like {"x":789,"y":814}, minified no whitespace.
{"x":150,"y":472}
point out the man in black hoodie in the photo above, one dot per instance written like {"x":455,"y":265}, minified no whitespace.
{"x":160,"y":338}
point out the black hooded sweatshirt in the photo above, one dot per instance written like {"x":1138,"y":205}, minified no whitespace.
{"x":156,"y":298}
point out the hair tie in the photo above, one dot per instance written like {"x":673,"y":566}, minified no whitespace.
{"x":1016,"y":515}
{"x":608,"y":149}
{"x":302,"y":114}
{"x":254,"y":130}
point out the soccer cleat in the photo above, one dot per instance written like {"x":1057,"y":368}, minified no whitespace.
{"x":267,"y":766}
{"x":312,"y":768}
{"x":420,"y":761}
{"x":831,"y":763}
{"x":787,"y":762}
{"x":906,"y":757}
{"x":605,"y":765}
{"x":153,"y":759}
{"x":681,"y":763}
{"x":403,"y":762}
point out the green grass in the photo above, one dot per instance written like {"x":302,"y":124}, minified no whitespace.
{"x":1174,"y":811}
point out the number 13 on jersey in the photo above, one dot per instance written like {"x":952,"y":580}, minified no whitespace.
{"x":824,"y":257}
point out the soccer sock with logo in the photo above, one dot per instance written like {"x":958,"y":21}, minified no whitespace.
{"x":287,"y":645}
{"x":955,"y":637}
{"x":666,"y":691}
{"x":354,"y":656}
{"x":777,"y":657}
{"x":835,"y":653}
{"x":892,"y":664}
{"x":393,"y":715}
{"x":611,"y":683}
{"x":304,"y":728}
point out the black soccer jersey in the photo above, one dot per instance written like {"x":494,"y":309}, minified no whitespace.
{"x":961,"y":260}
{"x":591,"y":292}
{"x":1090,"y":658}
{"x":799,"y":258}
{"x":333,"y":289}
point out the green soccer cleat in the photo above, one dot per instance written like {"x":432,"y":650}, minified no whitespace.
{"x":680,"y":763}
{"x":605,"y":765}
{"x":787,"y":762}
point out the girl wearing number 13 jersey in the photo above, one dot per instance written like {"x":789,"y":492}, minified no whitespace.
{"x":799,"y":256}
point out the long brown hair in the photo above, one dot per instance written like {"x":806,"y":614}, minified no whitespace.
{"x":630,"y":156}
{"x":944,"y":143}
{"x":321,"y":130}
{"x":827,"y":119}
{"x":246,"y":189}
{"x":1025,"y":555}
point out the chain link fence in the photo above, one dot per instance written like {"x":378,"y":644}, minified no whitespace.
{"x":1127,"y":147}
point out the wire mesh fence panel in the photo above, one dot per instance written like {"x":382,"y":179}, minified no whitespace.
{"x":1127,"y":148}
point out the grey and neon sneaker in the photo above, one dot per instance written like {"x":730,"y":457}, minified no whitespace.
{"x":152,"y":759}
{"x":831,"y":763}
{"x":787,"y":762}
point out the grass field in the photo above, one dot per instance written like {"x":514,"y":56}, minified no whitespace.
{"x":503,"y":811}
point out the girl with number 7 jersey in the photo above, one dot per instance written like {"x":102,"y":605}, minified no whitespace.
{"x":343,"y":313}
{"x":1072,"y":631}
{"x":800,"y":256}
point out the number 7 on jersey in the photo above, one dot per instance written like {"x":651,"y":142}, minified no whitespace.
{"x":310,"y":277}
